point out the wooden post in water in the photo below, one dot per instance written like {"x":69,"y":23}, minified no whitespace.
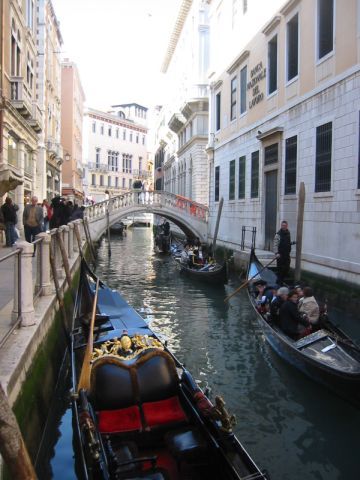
{"x":108,"y":232}
{"x":217,"y":224}
{"x":299,"y":231}
{"x":12,"y":446}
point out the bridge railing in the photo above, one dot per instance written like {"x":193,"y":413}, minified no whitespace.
{"x":158,"y":198}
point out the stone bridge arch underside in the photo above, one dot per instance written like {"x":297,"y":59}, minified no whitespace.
{"x":190,"y":217}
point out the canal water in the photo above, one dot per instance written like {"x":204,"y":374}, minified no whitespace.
{"x":291,"y":426}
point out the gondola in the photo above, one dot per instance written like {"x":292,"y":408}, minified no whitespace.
{"x":215,"y":273}
{"x":142,"y":414}
{"x":118,"y":228}
{"x":326,"y":355}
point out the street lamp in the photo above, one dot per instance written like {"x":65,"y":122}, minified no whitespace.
{"x":67,"y":156}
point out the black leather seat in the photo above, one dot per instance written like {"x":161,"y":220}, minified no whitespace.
{"x":187,"y":445}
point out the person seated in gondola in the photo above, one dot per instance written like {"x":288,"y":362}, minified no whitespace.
{"x":278,"y":300}
{"x":308,"y":305}
{"x":195,"y":259}
{"x":295,"y":324}
{"x":261,"y":300}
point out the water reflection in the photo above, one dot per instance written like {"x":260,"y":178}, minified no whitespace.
{"x":290,"y":425}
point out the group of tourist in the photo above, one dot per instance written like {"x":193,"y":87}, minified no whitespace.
{"x":38,"y":217}
{"x":295,"y":311}
{"x":194,"y":256}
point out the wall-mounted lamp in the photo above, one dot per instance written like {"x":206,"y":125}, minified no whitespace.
{"x":67,"y":156}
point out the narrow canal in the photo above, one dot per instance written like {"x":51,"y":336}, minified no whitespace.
{"x":291,"y":426}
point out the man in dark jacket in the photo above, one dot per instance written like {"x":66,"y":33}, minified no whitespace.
{"x":10,"y":220}
{"x":282,"y":249}
{"x":292,"y":322}
{"x":275,"y":305}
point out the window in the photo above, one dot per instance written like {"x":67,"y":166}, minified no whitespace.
{"x":271,"y":154}
{"x":232,"y":180}
{"x":325,"y":27}
{"x":109,"y":131}
{"x":233,"y":99}
{"x":116,"y":182}
{"x":217,"y":183}
{"x":242,"y":163}
{"x":323,"y":158}
{"x":255,"y":174}
{"x":97,"y":157}
{"x":30,"y":72}
{"x":110,"y":160}
{"x":272,"y":65}
{"x":243,"y":82}
{"x":292,"y":53}
{"x":15,"y":52}
{"x":130,"y":183}
{"x":30,"y":14}
{"x":290,"y":165}
{"x":137,"y":138}
{"x":124,"y":134}
{"x":218,"y":111}
{"x":117,"y":133}
{"x":123,"y":183}
{"x":102,"y":130}
{"x":245,"y":6}
{"x":140,"y":165}
{"x":93,"y":180}
{"x":101,"y":180}
{"x":131,"y":135}
{"x":94,"y":127}
{"x":143,"y":140}
{"x":109,"y":181}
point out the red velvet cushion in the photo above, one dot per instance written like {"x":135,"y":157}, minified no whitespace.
{"x":163,"y":412}
{"x":122,"y":420}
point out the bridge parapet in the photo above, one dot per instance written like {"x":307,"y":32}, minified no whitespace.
{"x":183,"y":211}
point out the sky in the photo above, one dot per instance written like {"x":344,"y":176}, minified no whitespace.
{"x":118,"y":46}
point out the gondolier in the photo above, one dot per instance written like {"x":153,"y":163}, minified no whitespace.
{"x":282,"y":249}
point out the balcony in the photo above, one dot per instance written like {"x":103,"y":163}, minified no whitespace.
{"x":98,"y":167}
{"x":54,"y":148}
{"x":142,"y":173}
{"x":35,"y":121}
{"x":21,"y":97}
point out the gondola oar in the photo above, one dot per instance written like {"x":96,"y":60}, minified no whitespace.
{"x":247,"y":281}
{"x":84,"y":381}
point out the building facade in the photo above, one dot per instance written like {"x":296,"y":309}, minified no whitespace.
{"x":285,"y":111}
{"x":48,"y":91}
{"x":20,"y":113}
{"x":116,"y":153}
{"x":185,"y":170}
{"x":72,"y":115}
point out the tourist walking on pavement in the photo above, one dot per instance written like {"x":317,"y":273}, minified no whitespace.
{"x":32,"y":219}
{"x":282,"y":249}
{"x":9,"y":210}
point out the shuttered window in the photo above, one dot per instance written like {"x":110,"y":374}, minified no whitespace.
{"x":232,"y":180}
{"x":325,"y":27}
{"x":255,"y":174}
{"x":271,"y":154}
{"x":272,"y":65}
{"x":243,"y":82}
{"x":242,"y":163}
{"x":233,"y":99}
{"x":290,"y":165}
{"x":292,"y":47}
{"x":217,"y":183}
{"x":218,"y":111}
{"x":323,"y":158}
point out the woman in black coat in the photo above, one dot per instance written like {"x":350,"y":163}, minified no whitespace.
{"x":292,"y":322}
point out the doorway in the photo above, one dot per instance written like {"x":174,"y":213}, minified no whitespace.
{"x":270,"y":207}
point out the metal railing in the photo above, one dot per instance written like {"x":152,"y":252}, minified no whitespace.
{"x":246,"y":232}
{"x":16,"y":322}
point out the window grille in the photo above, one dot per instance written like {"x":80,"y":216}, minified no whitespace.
{"x":232,"y":180}
{"x":217,"y":183}
{"x":271,"y":154}
{"x":323,"y":158}
{"x":255,"y":174}
{"x":290,"y":165}
{"x":242,"y":163}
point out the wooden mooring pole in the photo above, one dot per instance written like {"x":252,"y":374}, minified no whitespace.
{"x":299,"y":231}
{"x":221,"y":203}
{"x":12,"y":446}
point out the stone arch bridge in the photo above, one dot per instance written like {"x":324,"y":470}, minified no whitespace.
{"x":191,"y":217}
